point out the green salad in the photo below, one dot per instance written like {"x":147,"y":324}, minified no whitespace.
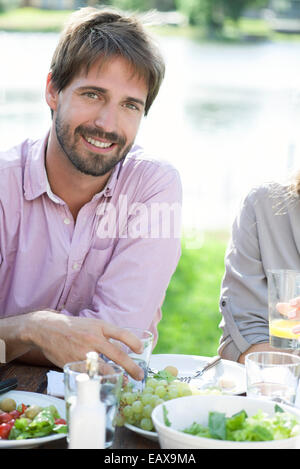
{"x":22,"y":422}
{"x":46,"y":422}
{"x":241,"y":427}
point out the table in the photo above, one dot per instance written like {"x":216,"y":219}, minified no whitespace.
{"x":34,"y":379}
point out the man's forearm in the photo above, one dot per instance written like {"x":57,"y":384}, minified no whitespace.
{"x":13,"y":334}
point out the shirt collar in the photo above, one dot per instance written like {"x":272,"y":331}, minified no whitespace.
{"x":35,"y":176}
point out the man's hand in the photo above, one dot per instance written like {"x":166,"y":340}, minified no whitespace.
{"x":64,"y":339}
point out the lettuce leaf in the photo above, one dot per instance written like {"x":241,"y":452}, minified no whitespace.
{"x":42,"y":425}
{"x":240,"y":427}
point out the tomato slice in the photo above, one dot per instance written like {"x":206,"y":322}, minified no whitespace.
{"x":15,"y":414}
{"x":5,"y":430}
{"x":60,"y":422}
{"x":5,"y":417}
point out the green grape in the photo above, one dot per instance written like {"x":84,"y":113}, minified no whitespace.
{"x":173,"y":392}
{"x":186,"y":392}
{"x":151,"y":383}
{"x":149,"y":389}
{"x":153,"y":400}
{"x":126,"y":398}
{"x":163,"y":382}
{"x":160,"y":391}
{"x":158,"y":401}
{"x":146,"y":398}
{"x":147,"y":411}
{"x":128,"y":387}
{"x":130,"y":420}
{"x":137,"y":407}
{"x":146,"y":424}
{"x":127,"y":411}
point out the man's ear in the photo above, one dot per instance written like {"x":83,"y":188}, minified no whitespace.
{"x":51,"y":93}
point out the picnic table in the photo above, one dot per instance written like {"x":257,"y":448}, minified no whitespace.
{"x":34,"y":379}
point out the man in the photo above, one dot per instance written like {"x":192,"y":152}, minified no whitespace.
{"x":88,"y":223}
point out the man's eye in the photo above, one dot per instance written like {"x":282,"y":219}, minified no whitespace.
{"x":132,"y":106}
{"x":90,"y":94}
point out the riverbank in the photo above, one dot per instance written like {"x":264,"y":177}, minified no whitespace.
{"x":39,"y":20}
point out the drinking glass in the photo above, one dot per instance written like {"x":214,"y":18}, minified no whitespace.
{"x":141,"y":359}
{"x":283,"y":286}
{"x":111,"y":378}
{"x":273,"y":376}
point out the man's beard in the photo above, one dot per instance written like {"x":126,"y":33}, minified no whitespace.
{"x":91,"y":164}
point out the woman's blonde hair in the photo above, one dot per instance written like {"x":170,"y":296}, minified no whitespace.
{"x":91,"y":33}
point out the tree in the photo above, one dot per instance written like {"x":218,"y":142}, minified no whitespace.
{"x":235,"y":8}
{"x":212,"y":13}
{"x":8,"y":5}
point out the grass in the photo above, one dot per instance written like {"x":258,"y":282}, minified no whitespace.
{"x":33,"y":20}
{"x":191,"y":308}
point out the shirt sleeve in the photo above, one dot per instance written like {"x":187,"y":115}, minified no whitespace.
{"x":243,"y":301}
{"x":131,"y":290}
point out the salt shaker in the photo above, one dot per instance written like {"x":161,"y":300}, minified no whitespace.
{"x":87,"y":416}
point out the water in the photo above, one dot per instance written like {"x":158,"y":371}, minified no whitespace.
{"x":227,"y":116}
{"x":273,"y":391}
{"x":139,"y":385}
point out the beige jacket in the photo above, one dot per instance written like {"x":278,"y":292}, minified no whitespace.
{"x":265,"y":235}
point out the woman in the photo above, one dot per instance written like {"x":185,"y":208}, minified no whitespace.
{"x":265,"y":235}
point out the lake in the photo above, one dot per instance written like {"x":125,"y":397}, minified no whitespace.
{"x":227,"y":115}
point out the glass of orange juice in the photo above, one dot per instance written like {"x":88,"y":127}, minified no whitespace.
{"x":283,"y":286}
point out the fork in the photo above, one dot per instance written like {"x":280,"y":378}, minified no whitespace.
{"x":198,"y":373}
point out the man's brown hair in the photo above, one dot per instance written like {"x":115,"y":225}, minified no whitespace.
{"x":91,"y":33}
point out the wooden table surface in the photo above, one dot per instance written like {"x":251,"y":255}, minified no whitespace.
{"x":34,"y":379}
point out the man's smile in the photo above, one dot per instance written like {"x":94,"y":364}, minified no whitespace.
{"x":98,"y":144}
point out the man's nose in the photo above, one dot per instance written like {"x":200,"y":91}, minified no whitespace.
{"x":107,"y":118}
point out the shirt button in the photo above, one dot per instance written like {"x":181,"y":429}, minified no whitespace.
{"x":67,"y":221}
{"x":75,"y":266}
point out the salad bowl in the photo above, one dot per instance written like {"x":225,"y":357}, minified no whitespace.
{"x":187,"y":413}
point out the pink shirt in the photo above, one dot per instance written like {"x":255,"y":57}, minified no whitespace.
{"x":115,"y":263}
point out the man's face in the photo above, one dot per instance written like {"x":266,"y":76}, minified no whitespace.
{"x":97,"y":116}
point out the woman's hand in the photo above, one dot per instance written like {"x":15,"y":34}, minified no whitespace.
{"x":291,"y":310}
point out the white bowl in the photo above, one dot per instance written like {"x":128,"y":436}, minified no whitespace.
{"x":182,"y":412}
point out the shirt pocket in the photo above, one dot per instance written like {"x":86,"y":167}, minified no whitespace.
{"x":96,"y":262}
{"x":84,"y":287}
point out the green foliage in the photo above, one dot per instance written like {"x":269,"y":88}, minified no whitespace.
{"x":8,"y":5}
{"x":234,"y":9}
{"x":191,"y":307}
{"x":143,"y":5}
{"x":212,"y":13}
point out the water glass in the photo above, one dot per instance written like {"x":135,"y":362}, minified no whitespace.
{"x":111,"y":379}
{"x":141,"y":359}
{"x":283,"y":286}
{"x":273,"y":376}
